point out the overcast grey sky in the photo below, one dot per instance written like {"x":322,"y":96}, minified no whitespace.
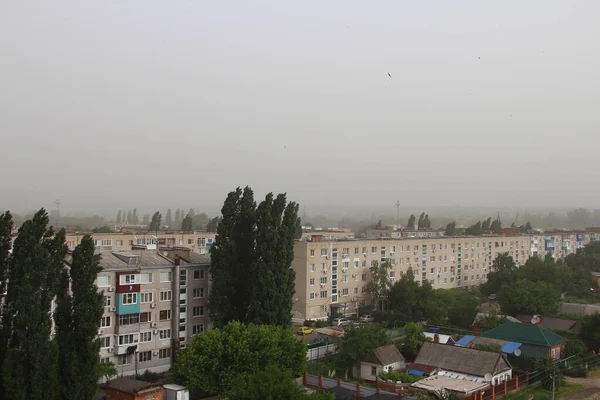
{"x":122,"y":104}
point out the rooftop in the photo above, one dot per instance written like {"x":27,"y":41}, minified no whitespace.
{"x":549,"y":322}
{"x":132,"y":386}
{"x":439,"y":383}
{"x":400,"y":239}
{"x":525,"y":333}
{"x":385,"y":355}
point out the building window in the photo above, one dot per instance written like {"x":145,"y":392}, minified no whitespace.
{"x":164,"y":334}
{"x":164,"y":315}
{"x":364,"y":263}
{"x":146,"y":297}
{"x":373,"y":249}
{"x":145,"y":356}
{"x":373,"y":371}
{"x":392,"y":274}
{"x":198,"y":274}
{"x":355,"y":264}
{"x":146,"y":278}
{"x":324,"y":294}
{"x":104,"y":342}
{"x":324,"y":267}
{"x":129,"y":279}
{"x":164,"y":353}
{"x":104,"y":281}
{"x":105,"y":322}
{"x":145,"y":337}
{"x":128,"y":339}
{"x":364,"y":277}
{"x":130,"y":298}
{"x":166,"y":276}
{"x":196,"y":329}
{"x":312,"y":281}
{"x":312,"y":252}
{"x":119,"y":243}
{"x":345,"y":292}
{"x":198,"y":311}
{"x":312,"y":268}
{"x":145,"y":317}
{"x":129,"y":319}
{"x":125,"y":359}
{"x":106,"y":242}
{"x":355,"y":290}
{"x":324,"y":280}
{"x":198,"y":293}
{"x":104,"y":360}
{"x":323,"y":252}
{"x":166,"y":295}
{"x":311,"y":296}
{"x":107,"y":301}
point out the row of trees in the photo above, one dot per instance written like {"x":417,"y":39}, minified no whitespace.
{"x":423,"y":222}
{"x":188,"y":222}
{"x":34,"y":363}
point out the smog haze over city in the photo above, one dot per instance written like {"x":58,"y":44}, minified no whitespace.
{"x":344,"y":105}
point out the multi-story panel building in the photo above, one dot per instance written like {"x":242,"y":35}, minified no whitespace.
{"x":560,"y":243}
{"x":155,"y":301}
{"x":199,"y":242}
{"x":331,"y":276}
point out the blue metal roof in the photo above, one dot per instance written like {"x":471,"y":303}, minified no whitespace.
{"x":510,"y":347}
{"x":416,"y":372}
{"x":465,"y":340}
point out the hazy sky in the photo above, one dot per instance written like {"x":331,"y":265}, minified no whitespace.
{"x":121,"y":104}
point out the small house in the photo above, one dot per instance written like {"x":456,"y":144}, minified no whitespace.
{"x":536,"y":340}
{"x":382,"y":359}
{"x":131,"y":389}
{"x":564,"y":324}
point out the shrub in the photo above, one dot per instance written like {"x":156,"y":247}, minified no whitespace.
{"x":148,"y":376}
{"x":321,"y":324}
{"x":308,"y":322}
{"x":399,"y":377}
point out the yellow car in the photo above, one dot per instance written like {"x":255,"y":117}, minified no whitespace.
{"x":304,"y":330}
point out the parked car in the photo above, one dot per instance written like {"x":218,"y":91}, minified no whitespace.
{"x":304,"y":330}
{"x":341,"y":322}
{"x":492,"y":296}
{"x":367,"y":318}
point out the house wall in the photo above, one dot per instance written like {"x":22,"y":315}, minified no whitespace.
{"x":113,"y":394}
{"x":366,"y":369}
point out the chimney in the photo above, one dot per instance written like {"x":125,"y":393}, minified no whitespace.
{"x":436,"y":338}
{"x":177,"y":260}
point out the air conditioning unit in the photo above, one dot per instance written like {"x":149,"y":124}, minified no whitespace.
{"x":364,"y":254}
{"x":101,"y":332}
{"x":156,"y":331}
{"x":153,"y":325}
{"x":113,"y":309}
{"x":110,"y":349}
{"x":323,"y":284}
{"x":111,"y":289}
{"x":392,"y":253}
{"x":155,"y":353}
{"x":153,"y":305}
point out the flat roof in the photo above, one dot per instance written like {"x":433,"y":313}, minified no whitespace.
{"x":439,"y":383}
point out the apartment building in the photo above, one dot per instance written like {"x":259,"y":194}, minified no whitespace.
{"x":398,"y":233}
{"x":331,"y":276}
{"x":561,"y":243}
{"x":199,"y":242}
{"x":155,"y":301}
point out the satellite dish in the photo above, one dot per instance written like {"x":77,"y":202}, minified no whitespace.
{"x":488,"y":377}
{"x":517,"y":352}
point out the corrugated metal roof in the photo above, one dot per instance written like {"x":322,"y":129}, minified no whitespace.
{"x":525,"y":333}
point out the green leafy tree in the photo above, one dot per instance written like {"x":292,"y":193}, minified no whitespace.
{"x":129,"y":217}
{"x":191,"y":212}
{"x":420,"y":224}
{"x":119,"y":217}
{"x":590,"y":331}
{"x":250,"y":262}
{"x":213,"y":224}
{"x":178,"y":217}
{"x":169,"y":218}
{"x":29,"y":370}
{"x":380,"y":284}
{"x":298,"y":231}
{"x":461,"y":307}
{"x":486,"y":225}
{"x":503,"y":272}
{"x":155,"y":224}
{"x":187,"y":224}
{"x":134,"y":217}
{"x":413,"y":341}
{"x":409,"y":301}
{"x":200,"y":221}
{"x":527,"y":297}
{"x":496,"y":226}
{"x":475,"y":229}
{"x":216,"y":359}
{"x":357,"y":342}
{"x":273,"y":383}
{"x":77,"y":319}
{"x":490,"y":321}
{"x":102,"y":229}
{"x":6,"y":224}
{"x":426,"y":221}
{"x":107,"y":370}
{"x":411,"y":222}
{"x":450,"y":229}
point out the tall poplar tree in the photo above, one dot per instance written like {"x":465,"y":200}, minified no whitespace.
{"x":77,"y":319}
{"x":134,"y":217}
{"x":29,"y":371}
{"x":6,"y":225}
{"x":129,"y":217}
{"x":155,"y":224}
{"x":169,"y":219}
{"x":411,"y":222}
{"x":250,"y":261}
{"x":119,"y":217}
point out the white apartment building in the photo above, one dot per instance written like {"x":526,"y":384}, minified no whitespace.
{"x":331,"y":276}
{"x":155,"y":301}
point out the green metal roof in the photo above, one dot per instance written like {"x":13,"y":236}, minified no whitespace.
{"x":525,"y":333}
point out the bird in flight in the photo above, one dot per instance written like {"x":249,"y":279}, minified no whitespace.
{"x":390,"y":75}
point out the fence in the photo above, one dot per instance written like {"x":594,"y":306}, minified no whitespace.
{"x":320,"y":352}
{"x":511,"y":386}
{"x":322,"y":383}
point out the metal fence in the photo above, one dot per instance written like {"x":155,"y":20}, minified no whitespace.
{"x":320,"y":352}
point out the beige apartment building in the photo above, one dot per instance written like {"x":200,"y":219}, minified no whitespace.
{"x":155,"y":301}
{"x":199,"y":242}
{"x":331,"y":275}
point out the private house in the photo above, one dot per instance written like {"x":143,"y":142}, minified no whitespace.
{"x":382,"y":359}
{"x":439,"y":338}
{"x":131,"y":389}
{"x":536,"y":340}
{"x":571,"y":325}
{"x":489,"y":344}
{"x":461,"y":363}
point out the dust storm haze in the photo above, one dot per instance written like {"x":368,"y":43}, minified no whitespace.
{"x":344,"y":105}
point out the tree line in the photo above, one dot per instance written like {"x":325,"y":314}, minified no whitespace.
{"x":37,"y":363}
{"x":186,"y":222}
